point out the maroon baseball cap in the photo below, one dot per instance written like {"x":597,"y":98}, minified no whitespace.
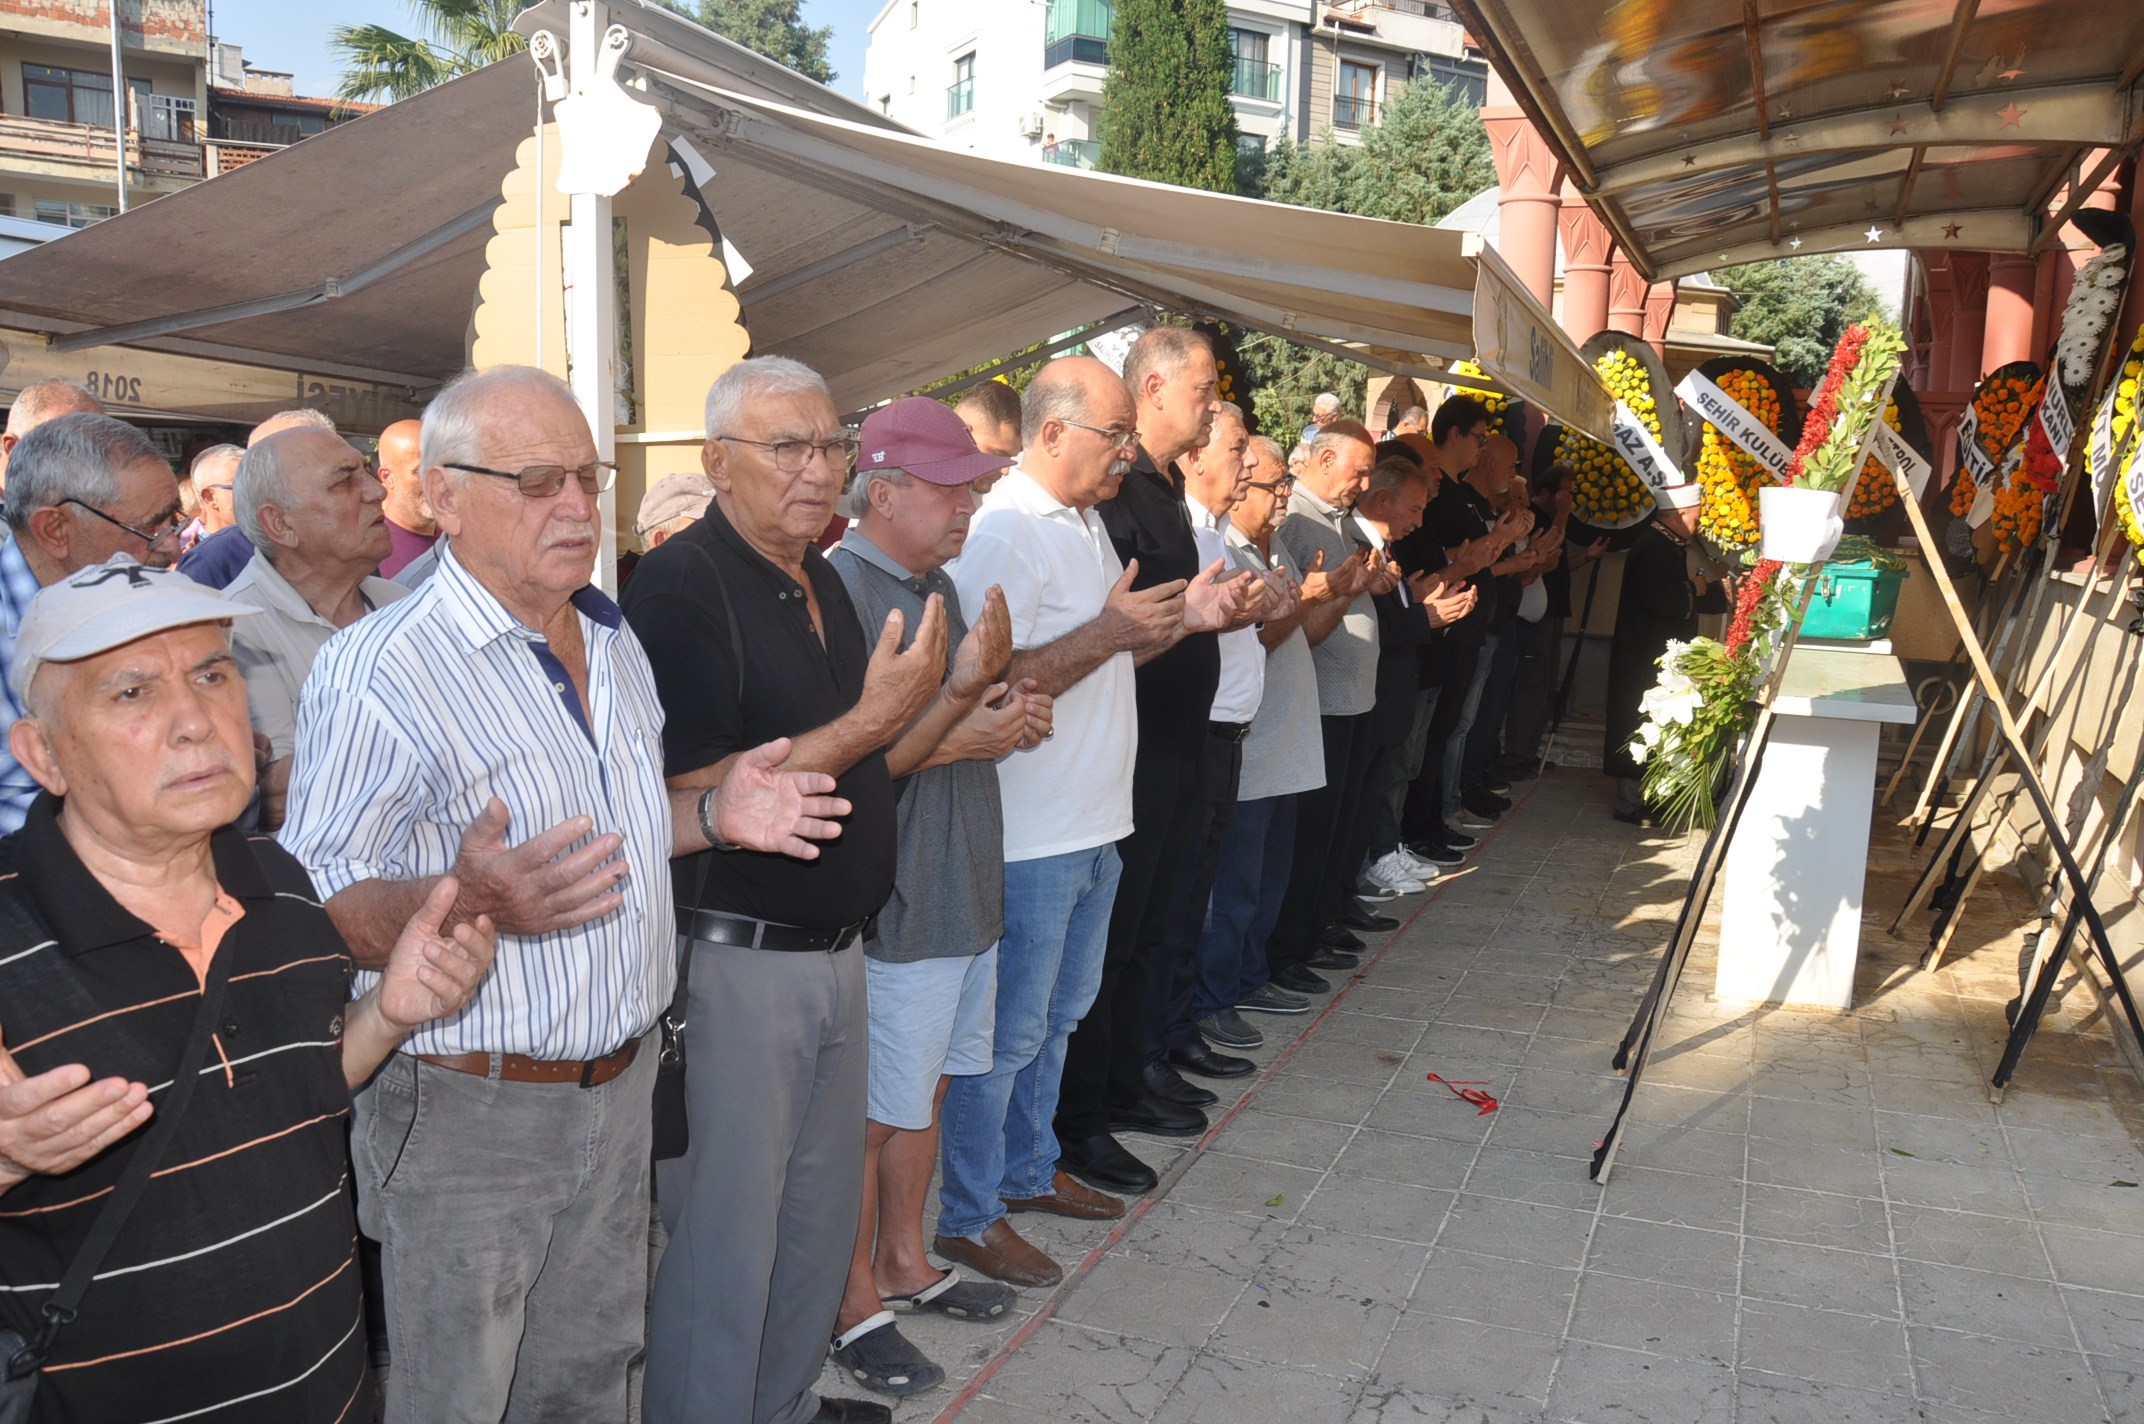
{"x":917,"y":434}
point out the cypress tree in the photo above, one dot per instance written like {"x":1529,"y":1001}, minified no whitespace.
{"x":1165,"y":109}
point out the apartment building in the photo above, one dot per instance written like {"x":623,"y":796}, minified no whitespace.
{"x":1023,"y":79}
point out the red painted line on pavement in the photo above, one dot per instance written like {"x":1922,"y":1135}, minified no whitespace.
{"x":974,"y":1387}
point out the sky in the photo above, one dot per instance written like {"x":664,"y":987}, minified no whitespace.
{"x":277,"y":34}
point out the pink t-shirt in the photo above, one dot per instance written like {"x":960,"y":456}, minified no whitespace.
{"x":408,"y":545}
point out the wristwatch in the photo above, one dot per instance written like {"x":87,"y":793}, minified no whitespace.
{"x":707,"y":822}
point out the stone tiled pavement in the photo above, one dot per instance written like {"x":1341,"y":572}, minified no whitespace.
{"x":1816,"y":1217}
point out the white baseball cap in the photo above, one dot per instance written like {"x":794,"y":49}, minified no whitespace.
{"x":1677,"y":496}
{"x":107,"y":606}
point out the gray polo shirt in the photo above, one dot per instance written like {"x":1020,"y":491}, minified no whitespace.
{"x":1347,"y":660}
{"x":1285,"y":752}
{"x":948,"y":896}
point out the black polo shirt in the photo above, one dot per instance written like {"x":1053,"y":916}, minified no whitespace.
{"x":237,"y":1296}
{"x":1147,"y":521}
{"x":789,"y":683}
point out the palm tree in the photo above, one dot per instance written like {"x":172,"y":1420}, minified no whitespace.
{"x":459,"y":36}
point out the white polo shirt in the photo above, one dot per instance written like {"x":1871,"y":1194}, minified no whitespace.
{"x":1056,"y":566}
{"x":1243,"y":657}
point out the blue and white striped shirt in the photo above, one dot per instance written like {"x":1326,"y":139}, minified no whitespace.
{"x":414,"y":717}
{"x":17,"y":587}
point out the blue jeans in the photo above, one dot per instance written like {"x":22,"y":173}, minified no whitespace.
{"x":997,"y":1138}
{"x":1455,"y":748}
{"x":1256,"y":857}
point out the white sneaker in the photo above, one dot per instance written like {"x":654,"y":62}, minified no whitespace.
{"x":1425,"y":871}
{"x":1390,"y":873}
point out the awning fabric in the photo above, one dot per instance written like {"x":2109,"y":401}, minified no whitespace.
{"x":1708,"y":132}
{"x":878,"y":258}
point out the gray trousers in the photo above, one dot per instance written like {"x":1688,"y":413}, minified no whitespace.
{"x":513,"y":1225}
{"x":762,"y":1210}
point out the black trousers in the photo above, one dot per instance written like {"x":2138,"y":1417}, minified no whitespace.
{"x":1105,"y":1061}
{"x":1425,"y":798}
{"x":1485,"y":740}
{"x":1533,"y":691}
{"x":1330,"y":837}
{"x":1173,"y":975}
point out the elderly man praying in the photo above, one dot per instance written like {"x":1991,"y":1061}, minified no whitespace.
{"x":140,"y":936}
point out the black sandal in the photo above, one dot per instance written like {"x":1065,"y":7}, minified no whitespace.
{"x":879,"y":1357}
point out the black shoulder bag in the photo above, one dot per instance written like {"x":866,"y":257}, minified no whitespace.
{"x":673,"y":1131}
{"x":24,"y":1358}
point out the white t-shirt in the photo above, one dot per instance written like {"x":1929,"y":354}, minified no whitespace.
{"x":1056,"y":566}
{"x":1243,"y":657}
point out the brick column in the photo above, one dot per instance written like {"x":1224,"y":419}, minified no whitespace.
{"x":1627,"y":294}
{"x":1935,"y":363}
{"x":2007,"y":337}
{"x":1587,"y":259}
{"x":1528,"y":204}
{"x":1659,"y":309}
{"x":1969,"y":318}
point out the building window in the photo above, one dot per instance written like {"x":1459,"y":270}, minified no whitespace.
{"x":1469,"y":80}
{"x":73,"y":214}
{"x":960,"y":94}
{"x":1355,"y":98}
{"x":1077,"y":32}
{"x":72,"y":96}
{"x":1255,"y":77}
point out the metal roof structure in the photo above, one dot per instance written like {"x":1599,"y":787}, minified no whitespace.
{"x":877,"y":257}
{"x":1709,"y":132}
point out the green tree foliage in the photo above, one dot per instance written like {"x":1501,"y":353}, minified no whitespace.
{"x":1799,"y":306}
{"x":1165,"y":110}
{"x":774,"y":28}
{"x":457,"y":36}
{"x":1427,"y":154}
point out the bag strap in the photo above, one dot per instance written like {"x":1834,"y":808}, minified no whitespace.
{"x":126,"y":1193}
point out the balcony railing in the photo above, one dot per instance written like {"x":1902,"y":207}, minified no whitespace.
{"x":47,"y":140}
{"x":1354,"y":111}
{"x":959,"y":98}
{"x":1077,"y":32}
{"x":1256,"y":79}
{"x":1073,"y":152}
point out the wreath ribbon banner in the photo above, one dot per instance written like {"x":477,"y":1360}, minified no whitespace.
{"x":1732,"y":419}
{"x":1643,"y":452}
{"x":1892,"y":450}
{"x":1976,"y":459}
{"x":2099,"y":450}
{"x":2059,"y":421}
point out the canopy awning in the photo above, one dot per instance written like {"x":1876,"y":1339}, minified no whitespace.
{"x":1708,"y":132}
{"x":877,"y":257}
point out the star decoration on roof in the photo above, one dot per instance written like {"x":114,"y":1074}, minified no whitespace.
{"x":1874,"y":234}
{"x":1689,"y":160}
{"x":1899,"y":90}
{"x":1951,"y":231}
{"x":1795,"y":243}
{"x":2012,"y":116}
{"x":1899,"y":124}
{"x":2010,"y":75}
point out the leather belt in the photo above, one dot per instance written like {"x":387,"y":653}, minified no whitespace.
{"x":714,"y":927}
{"x":514,"y":1068}
{"x":1229,"y":731}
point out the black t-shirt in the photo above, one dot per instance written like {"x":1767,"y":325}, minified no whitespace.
{"x":232,"y":1291}
{"x":1147,"y":521}
{"x":790,"y":683}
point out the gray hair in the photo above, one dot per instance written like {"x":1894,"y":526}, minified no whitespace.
{"x":734,"y":390}
{"x":1272,"y":449}
{"x":296,"y":418}
{"x":1414,"y":413}
{"x":1326,"y":401}
{"x":1050,"y":396}
{"x":40,"y":401}
{"x":1163,"y":349}
{"x":201,"y":461}
{"x":261,"y":480}
{"x":72,"y":457}
{"x":1341,"y":432}
{"x":453,"y":429}
{"x":856,"y":499}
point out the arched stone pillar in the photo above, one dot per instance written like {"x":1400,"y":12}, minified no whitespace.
{"x":1627,"y":292}
{"x":1588,"y":256}
{"x":1528,"y":203}
{"x":2007,"y":337}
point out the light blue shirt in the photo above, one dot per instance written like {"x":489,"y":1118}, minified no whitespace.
{"x":414,"y":717}
{"x":17,"y":587}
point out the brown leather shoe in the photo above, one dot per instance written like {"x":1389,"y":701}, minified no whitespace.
{"x":1072,"y":1198}
{"x":1001,"y":1255}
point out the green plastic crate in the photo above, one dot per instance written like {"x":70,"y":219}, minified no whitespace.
{"x":1853,"y":602}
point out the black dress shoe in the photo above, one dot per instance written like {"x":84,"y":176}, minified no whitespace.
{"x":1198,"y":1058}
{"x":1356,"y":917}
{"x":851,"y":1411}
{"x":1334,"y":937}
{"x":1101,"y":1161}
{"x":1298,"y":980}
{"x":1151,"y":1115}
{"x":1438,"y":852}
{"x":1485,"y":805}
{"x":1165,"y":1083}
{"x":1332,"y":959}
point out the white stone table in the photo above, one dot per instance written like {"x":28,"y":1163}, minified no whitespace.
{"x":1790,"y":926}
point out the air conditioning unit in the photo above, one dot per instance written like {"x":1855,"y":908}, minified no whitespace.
{"x":1030,"y":125}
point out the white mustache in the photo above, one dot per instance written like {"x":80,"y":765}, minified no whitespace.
{"x":1120,"y":468}
{"x":574,"y":531}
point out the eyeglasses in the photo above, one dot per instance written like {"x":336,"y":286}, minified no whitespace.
{"x":1274,"y":486}
{"x":169,"y":529}
{"x":543,"y":481}
{"x":1118,"y":438}
{"x":791,"y":456}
